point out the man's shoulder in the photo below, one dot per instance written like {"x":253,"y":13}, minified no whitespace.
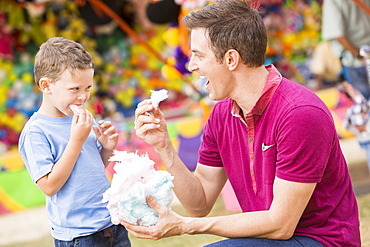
{"x":294,"y":95}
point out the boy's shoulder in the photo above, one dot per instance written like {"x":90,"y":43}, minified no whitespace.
{"x":38,"y":123}
{"x":33,"y":121}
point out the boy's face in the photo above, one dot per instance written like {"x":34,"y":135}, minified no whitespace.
{"x":69,"y":90}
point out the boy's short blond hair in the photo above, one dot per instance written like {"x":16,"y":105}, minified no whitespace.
{"x":57,"y":55}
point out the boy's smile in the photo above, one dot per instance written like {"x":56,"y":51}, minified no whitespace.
{"x":68,"y":90}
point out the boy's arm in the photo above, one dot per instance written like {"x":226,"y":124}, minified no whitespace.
{"x":80,"y":130}
{"x":105,"y":155}
{"x":108,"y":137}
{"x":51,"y":183}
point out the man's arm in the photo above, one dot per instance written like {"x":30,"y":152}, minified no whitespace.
{"x":279,"y":222}
{"x":196,"y":191}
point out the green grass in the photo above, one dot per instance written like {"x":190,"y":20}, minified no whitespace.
{"x":201,"y":240}
{"x":364,"y":209}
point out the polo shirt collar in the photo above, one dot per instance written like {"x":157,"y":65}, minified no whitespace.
{"x":273,"y":80}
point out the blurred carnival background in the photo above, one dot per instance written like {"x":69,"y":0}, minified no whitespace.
{"x":138,"y":46}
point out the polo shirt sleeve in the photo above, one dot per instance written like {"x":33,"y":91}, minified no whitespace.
{"x":208,"y":153}
{"x":304,"y":143}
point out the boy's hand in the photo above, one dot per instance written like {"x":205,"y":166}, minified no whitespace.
{"x":81,"y":125}
{"x":107,"y":134}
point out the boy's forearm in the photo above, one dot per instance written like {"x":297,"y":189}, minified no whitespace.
{"x":105,"y":155}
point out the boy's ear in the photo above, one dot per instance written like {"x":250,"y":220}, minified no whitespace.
{"x":44,"y":85}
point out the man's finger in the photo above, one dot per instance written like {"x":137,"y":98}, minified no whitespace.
{"x":153,"y":203}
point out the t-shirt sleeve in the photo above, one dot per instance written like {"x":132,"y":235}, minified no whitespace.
{"x":36,"y":153}
{"x":304,"y":143}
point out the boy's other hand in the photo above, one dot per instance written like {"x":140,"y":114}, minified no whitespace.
{"x":106,"y":134}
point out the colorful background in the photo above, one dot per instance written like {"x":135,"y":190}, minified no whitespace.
{"x":133,"y":55}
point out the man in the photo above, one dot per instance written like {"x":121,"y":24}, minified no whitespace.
{"x":272,"y":138}
{"x":347,"y":27}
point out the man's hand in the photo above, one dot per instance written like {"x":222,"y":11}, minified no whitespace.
{"x":151,"y":127}
{"x":169,"y":223}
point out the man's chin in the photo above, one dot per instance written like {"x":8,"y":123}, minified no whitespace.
{"x":213,"y":97}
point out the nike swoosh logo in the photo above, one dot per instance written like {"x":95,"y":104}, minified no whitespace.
{"x":265,"y":147}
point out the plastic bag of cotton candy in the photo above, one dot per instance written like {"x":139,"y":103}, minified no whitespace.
{"x":134,"y":179}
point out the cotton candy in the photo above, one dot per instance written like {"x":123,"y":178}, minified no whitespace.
{"x":134,"y":179}
{"x":158,"y":96}
{"x":74,"y":108}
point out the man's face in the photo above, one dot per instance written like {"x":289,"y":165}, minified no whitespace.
{"x":205,"y":63}
{"x":70,"y":90}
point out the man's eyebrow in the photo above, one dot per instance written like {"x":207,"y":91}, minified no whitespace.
{"x":195,"y":51}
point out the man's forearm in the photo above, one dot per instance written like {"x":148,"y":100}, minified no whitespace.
{"x":259,"y":224}
{"x":187,"y":187}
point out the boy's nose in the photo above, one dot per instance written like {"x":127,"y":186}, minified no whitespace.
{"x":83,"y":96}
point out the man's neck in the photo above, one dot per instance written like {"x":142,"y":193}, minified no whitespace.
{"x":249,"y":87}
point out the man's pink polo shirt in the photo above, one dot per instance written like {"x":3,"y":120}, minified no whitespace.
{"x":288,"y":134}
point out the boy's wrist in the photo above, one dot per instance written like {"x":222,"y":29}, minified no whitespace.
{"x":108,"y":150}
{"x":76,"y":143}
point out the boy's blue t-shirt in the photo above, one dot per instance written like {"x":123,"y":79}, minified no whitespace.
{"x":76,"y":209}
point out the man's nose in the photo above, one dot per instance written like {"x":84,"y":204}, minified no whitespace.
{"x":192,"y":65}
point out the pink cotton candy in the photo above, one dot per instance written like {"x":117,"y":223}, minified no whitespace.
{"x":134,"y":179}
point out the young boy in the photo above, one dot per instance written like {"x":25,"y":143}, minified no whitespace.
{"x":64,"y":157}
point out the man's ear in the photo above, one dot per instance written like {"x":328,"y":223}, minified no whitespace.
{"x":44,"y":85}
{"x":232,"y":59}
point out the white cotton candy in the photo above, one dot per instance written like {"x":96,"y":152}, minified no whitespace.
{"x":158,"y":96}
{"x":74,"y":108}
{"x":134,"y":179}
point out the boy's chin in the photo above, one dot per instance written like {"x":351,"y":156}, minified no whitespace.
{"x":68,"y":113}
